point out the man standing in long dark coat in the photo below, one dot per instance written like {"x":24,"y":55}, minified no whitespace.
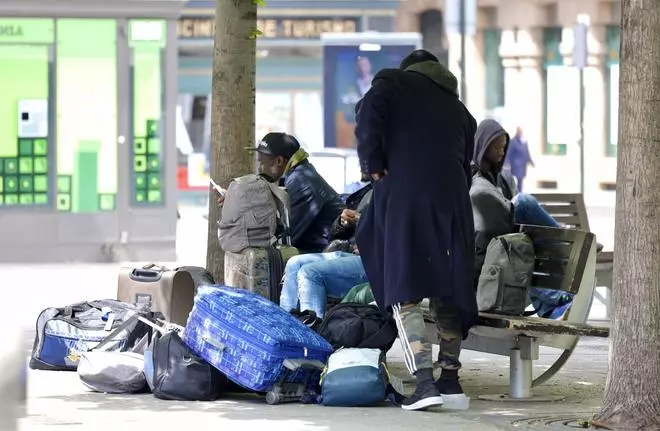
{"x":415,"y":138}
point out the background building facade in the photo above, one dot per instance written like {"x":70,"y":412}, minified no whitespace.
{"x":87,"y":140}
{"x":289,"y":60}
{"x":520,"y":70}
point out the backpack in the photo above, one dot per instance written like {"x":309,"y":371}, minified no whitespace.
{"x":354,"y":378}
{"x":358,"y":325}
{"x":506,"y":275}
{"x":253,"y":212}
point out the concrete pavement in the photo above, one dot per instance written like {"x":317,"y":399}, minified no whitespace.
{"x":59,"y":399}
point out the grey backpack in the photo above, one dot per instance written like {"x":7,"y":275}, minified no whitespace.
{"x":253,"y":213}
{"x":506,"y":275}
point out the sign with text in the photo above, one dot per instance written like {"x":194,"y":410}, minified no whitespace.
{"x":27,"y":30}
{"x":274,"y":28}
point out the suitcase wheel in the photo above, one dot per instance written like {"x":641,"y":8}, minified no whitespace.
{"x":273,"y":398}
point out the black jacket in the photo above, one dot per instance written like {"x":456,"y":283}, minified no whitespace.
{"x":357,"y":201}
{"x":314,"y":206}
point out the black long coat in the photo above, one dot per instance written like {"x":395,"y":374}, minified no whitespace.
{"x":417,"y":237}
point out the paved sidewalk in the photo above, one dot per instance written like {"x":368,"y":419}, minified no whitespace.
{"x":59,"y":399}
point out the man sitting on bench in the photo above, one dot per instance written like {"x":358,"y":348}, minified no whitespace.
{"x":311,"y":278}
{"x":497,"y":206}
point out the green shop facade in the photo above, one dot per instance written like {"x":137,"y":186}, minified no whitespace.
{"x":87,"y":137}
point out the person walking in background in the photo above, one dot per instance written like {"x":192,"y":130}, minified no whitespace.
{"x":518,"y":157}
{"x":416,"y":238}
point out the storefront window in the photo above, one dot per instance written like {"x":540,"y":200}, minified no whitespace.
{"x":147,"y":40}
{"x":87,"y":115}
{"x":25,"y":59}
{"x":273,"y":113}
{"x":308,"y":119}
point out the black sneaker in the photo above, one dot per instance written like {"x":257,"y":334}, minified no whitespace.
{"x":452,"y":394}
{"x":424,"y":397}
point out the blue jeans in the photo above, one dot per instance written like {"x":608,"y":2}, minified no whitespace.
{"x":527,"y":210}
{"x":547,"y":303}
{"x":311,"y":278}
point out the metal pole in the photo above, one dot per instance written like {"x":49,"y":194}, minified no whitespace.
{"x":462,"y":29}
{"x":582,"y":103}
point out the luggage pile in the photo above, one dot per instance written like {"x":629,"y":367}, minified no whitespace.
{"x":231,"y":340}
{"x":180,"y":336}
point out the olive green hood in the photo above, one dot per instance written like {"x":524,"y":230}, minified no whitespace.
{"x":438,"y":73}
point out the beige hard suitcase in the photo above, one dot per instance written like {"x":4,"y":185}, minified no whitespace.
{"x":170,"y":292}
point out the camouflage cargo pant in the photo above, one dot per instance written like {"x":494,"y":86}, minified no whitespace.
{"x":417,"y":351}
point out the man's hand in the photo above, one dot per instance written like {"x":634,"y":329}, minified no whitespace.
{"x":219,"y":198}
{"x":379,"y":175}
{"x":349,"y":217}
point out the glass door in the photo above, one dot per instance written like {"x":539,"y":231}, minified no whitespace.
{"x":25,"y":130}
{"x":146,"y":83}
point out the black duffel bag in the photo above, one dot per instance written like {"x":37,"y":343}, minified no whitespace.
{"x":179,"y":374}
{"x":358,"y":325}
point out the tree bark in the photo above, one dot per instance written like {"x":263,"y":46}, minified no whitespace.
{"x":632,"y":392}
{"x":232,"y":104}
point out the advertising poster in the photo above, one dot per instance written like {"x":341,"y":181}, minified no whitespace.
{"x":348,"y":72}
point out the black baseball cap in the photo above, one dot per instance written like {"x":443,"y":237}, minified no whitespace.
{"x":277,"y":144}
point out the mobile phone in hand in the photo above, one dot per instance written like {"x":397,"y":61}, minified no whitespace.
{"x":217,"y":188}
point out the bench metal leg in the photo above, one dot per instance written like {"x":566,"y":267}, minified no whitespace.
{"x":521,"y":360}
{"x":520,"y":376}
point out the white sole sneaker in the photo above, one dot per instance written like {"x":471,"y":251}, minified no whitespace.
{"x":424,"y":403}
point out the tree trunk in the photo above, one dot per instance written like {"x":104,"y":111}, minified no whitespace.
{"x":232,"y":104}
{"x":632,"y":394}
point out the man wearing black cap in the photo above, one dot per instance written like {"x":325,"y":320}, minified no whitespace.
{"x":314,"y":203}
{"x":416,"y":240}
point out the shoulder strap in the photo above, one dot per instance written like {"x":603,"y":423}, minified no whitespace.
{"x":282,"y":204}
{"x":128,"y":322}
{"x":275,"y":273}
{"x":385,"y":336}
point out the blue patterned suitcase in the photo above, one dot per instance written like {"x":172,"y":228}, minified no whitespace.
{"x":254,"y":342}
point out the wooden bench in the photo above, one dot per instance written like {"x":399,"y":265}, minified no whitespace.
{"x":566,"y":261}
{"x":569,"y":209}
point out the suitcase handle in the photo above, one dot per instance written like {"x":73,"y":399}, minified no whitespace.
{"x":218,"y":345}
{"x":154,"y":266}
{"x":145,"y":275}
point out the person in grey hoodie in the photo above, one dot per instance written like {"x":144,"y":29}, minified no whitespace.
{"x":496,"y":203}
{"x":497,"y":206}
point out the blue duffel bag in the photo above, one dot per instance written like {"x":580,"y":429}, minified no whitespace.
{"x":64,"y":334}
{"x":354,"y":378}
